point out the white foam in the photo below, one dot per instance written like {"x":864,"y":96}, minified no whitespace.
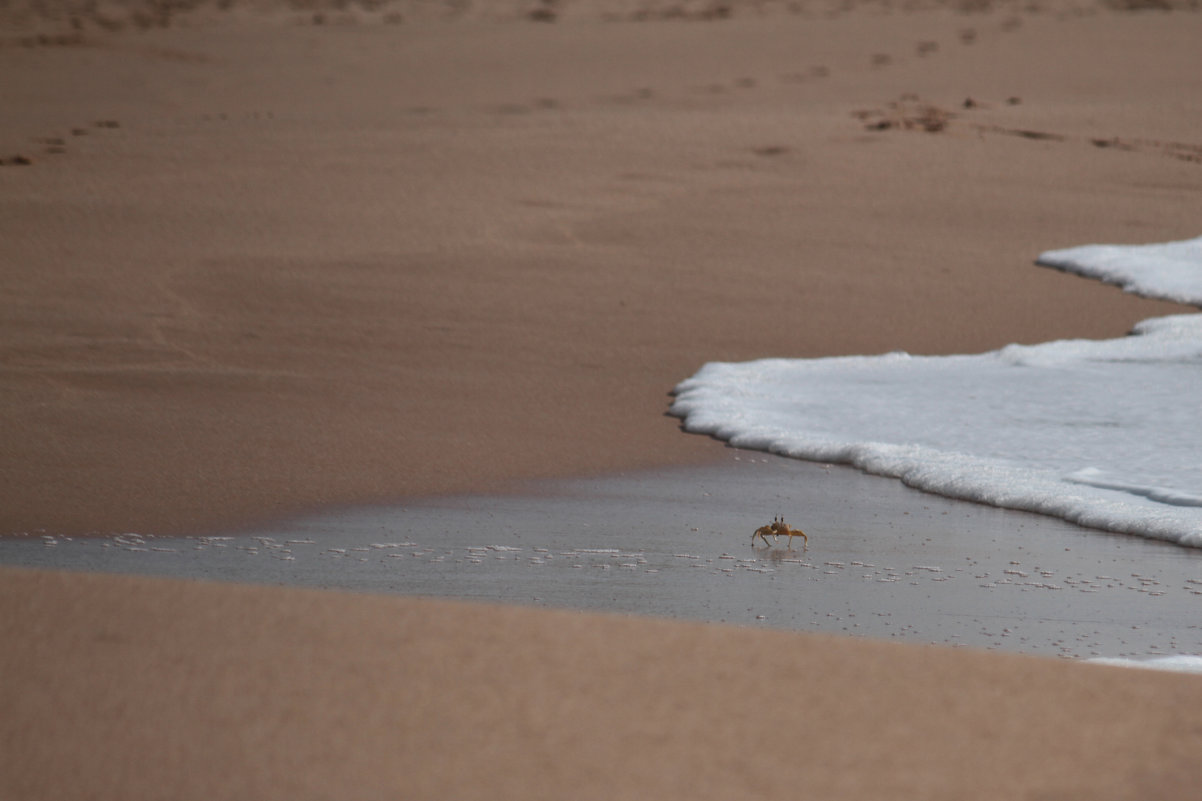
{"x":1182,"y":663}
{"x":1168,"y":271}
{"x":1102,"y":433}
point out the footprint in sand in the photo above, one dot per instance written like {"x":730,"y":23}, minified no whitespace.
{"x":907,"y":113}
{"x":72,"y":39}
{"x":911,"y":113}
{"x":635,"y":96}
{"x":770,"y":150}
{"x":509,"y":109}
{"x":815,"y":72}
{"x":53,"y":144}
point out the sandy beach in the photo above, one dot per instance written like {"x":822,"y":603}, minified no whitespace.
{"x":300,"y":694}
{"x":262,"y":262}
{"x":409,"y":262}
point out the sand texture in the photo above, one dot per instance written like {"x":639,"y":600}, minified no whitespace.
{"x":258,"y":259}
{"x":300,"y":694}
{"x":393,"y":260}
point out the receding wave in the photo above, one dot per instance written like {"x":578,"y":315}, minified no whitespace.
{"x":1102,"y":433}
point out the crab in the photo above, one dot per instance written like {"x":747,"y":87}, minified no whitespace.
{"x":763,"y":531}
{"x":779,"y":528}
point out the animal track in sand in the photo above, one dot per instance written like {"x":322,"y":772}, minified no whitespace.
{"x":71,"y":39}
{"x":640,"y":95}
{"x":911,"y":113}
{"x":55,"y":145}
{"x":816,"y":72}
{"x":222,"y":116}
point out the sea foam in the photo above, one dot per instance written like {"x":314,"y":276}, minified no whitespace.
{"x":1102,"y":433}
{"x":1167,"y":271}
{"x":1181,"y":663}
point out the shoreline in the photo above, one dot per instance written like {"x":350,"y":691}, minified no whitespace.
{"x":883,"y":562}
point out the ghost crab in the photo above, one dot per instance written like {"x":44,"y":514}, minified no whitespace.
{"x":779,"y":528}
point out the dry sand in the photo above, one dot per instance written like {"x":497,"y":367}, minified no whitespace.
{"x":320,"y":265}
{"x":213,"y":692}
{"x":251,"y":266}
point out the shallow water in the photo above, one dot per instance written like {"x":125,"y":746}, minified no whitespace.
{"x":884,"y":561}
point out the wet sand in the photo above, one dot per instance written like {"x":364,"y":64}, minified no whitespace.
{"x":882,"y":561}
{"x":265,"y":263}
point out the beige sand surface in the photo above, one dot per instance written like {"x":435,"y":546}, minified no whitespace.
{"x":298,"y":694}
{"x":250,"y":266}
{"x":340,"y":264}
